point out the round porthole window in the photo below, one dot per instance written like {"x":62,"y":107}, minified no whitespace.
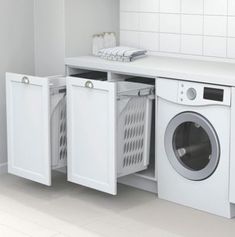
{"x":192,"y":146}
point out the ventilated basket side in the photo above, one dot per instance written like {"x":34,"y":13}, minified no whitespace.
{"x":59,"y":134}
{"x":134,"y":123}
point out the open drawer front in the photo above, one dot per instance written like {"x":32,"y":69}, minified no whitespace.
{"x":36,"y":124}
{"x":108,"y":130}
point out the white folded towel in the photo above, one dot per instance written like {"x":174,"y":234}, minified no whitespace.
{"x":122,"y":54}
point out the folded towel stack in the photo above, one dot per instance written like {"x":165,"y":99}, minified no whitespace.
{"x":122,"y":54}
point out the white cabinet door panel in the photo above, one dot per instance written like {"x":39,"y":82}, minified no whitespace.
{"x":28,"y":124}
{"x":232,"y":151}
{"x":92,"y":134}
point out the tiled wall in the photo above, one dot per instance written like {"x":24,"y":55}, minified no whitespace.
{"x":184,"y":27}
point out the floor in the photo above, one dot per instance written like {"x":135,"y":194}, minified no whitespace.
{"x":68,"y":210}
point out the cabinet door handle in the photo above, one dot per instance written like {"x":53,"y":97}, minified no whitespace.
{"x":25,"y":80}
{"x":89,"y":84}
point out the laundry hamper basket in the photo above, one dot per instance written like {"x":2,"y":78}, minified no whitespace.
{"x":134,"y":126}
{"x":58,"y":128}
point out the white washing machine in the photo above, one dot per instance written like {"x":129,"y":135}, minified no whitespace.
{"x":193,"y":145}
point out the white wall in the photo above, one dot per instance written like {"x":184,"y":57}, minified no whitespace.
{"x":16,"y":51}
{"x":64,"y":28}
{"x":49,"y":37}
{"x":85,"y":18}
{"x":202,"y":28}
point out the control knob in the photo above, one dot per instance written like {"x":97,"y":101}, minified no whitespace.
{"x":191,"y":94}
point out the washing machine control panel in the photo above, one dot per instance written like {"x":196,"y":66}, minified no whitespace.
{"x":193,"y":93}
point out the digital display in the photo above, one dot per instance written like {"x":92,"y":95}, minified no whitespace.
{"x":213,"y":94}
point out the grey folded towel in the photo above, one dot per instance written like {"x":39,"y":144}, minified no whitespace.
{"x":122,"y":54}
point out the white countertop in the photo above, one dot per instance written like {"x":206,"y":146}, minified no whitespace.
{"x":152,"y":66}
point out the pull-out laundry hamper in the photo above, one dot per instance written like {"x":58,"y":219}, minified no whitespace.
{"x":109,"y":124}
{"x":134,"y":126}
{"x":36,"y":124}
{"x":58,"y":128}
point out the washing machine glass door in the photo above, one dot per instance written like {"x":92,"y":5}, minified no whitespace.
{"x":192,"y":146}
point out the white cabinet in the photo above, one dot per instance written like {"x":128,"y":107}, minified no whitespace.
{"x":31,"y":104}
{"x":109,"y":127}
{"x":232,"y":151}
{"x":100,"y":149}
{"x":91,"y":134}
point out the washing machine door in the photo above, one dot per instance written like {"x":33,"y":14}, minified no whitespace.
{"x":192,"y":146}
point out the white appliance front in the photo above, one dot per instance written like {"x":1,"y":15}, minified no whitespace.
{"x":193,"y":168}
